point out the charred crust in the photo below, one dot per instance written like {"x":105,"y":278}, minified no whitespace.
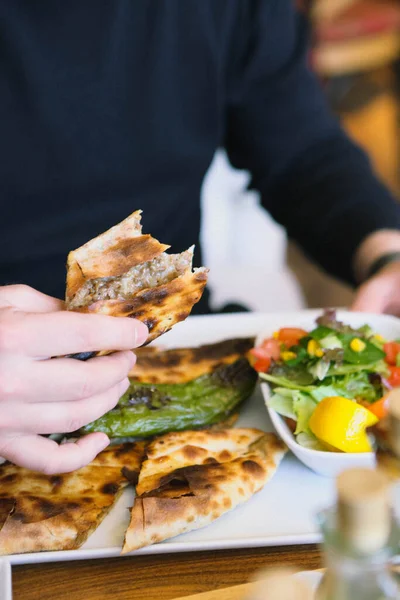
{"x":209,"y":352}
{"x":20,"y":516}
{"x":193,"y":452}
{"x":182,"y":316}
{"x":125,"y":448}
{"x":252,"y":468}
{"x":131,"y":475}
{"x":236,"y":374}
{"x":47,"y":507}
{"x":110,"y":488}
{"x":149,"y":396}
{"x":210,"y":461}
{"x":9,"y":478}
{"x":150,"y":323}
{"x":56,"y":480}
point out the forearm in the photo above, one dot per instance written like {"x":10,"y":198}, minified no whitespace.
{"x":312,"y":178}
{"x":337,"y":210}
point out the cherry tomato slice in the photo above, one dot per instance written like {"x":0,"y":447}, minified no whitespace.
{"x":391,"y":349}
{"x":394,"y":378}
{"x":272,"y":348}
{"x":290,"y":336}
{"x":260,"y":353}
{"x":262,"y":365}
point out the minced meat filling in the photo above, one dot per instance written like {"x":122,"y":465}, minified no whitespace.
{"x":153,"y":273}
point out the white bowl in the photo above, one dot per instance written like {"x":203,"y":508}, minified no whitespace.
{"x":328,"y":464}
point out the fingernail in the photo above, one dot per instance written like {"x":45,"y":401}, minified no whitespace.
{"x":123,"y":386}
{"x":141,"y":333}
{"x":132,"y":358}
{"x":102,"y":442}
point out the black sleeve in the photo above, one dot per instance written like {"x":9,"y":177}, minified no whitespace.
{"x":312,"y":178}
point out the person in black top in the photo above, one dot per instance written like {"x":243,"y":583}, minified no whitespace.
{"x":110,"y":106}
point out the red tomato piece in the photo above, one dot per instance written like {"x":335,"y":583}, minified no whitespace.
{"x":272,"y":348}
{"x":262,"y":365}
{"x":259,"y":352}
{"x":290,"y":336}
{"x":394,"y":378}
{"x":391,"y":349}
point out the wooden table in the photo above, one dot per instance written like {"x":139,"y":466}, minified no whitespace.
{"x":153,"y":577}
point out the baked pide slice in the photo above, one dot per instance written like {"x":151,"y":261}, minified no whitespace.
{"x":125,"y":273}
{"x":181,"y":365}
{"x":193,"y":477}
{"x":58,"y":512}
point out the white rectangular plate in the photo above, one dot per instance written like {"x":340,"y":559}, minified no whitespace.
{"x":283,"y":513}
{"x":5,"y":579}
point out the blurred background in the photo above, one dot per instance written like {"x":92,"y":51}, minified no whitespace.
{"x":356,"y":54}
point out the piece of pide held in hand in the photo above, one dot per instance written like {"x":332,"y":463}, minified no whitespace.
{"x":125,"y":273}
{"x":40,"y":513}
{"x":192,"y":478}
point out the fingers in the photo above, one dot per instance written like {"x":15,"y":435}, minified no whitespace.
{"x":28,"y":299}
{"x":62,"y":379}
{"x":59,"y":417}
{"x":64,"y":332}
{"x":380,"y":294}
{"x":41,"y":454}
{"x":370,"y":298}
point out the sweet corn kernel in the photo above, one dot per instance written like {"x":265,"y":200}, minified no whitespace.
{"x":275,"y":335}
{"x":378,"y":337}
{"x":314,"y":349}
{"x":357,"y":345}
{"x":287,"y":355}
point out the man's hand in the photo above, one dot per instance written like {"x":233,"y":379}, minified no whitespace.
{"x":381,"y":293}
{"x":42,"y":395}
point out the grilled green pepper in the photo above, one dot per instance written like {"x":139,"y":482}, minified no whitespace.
{"x":150,"y":409}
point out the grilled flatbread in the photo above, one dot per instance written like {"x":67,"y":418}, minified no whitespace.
{"x":193,"y":477}
{"x":125,"y":273}
{"x":180,"y":365}
{"x":58,"y":512}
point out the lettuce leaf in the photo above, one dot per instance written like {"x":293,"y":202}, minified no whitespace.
{"x":283,"y":382}
{"x":325,"y":391}
{"x":297,"y":375}
{"x":375,"y":367}
{"x":360,"y":385}
{"x":303,"y":407}
{"x":295,"y":405}
{"x":319,"y":369}
{"x":331,"y":342}
{"x":328,"y":320}
{"x":308,"y":440}
{"x":283,"y":405}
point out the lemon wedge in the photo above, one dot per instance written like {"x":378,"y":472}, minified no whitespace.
{"x":342,"y":423}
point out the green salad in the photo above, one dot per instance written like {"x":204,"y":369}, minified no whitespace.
{"x":333,"y":363}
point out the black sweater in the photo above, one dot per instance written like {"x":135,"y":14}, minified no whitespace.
{"x":107,"y":106}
